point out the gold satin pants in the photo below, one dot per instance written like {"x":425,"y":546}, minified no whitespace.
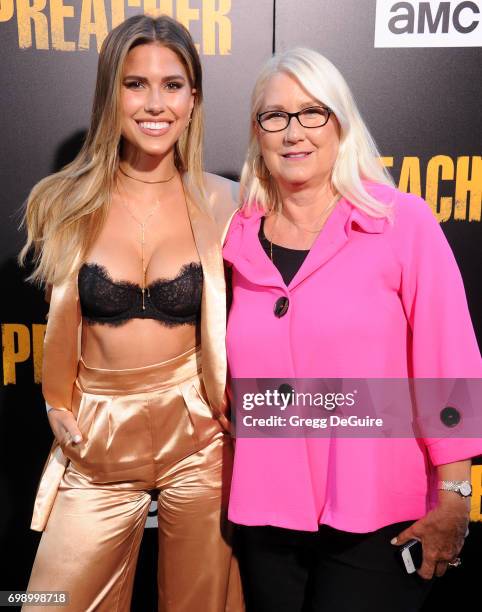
{"x":145,"y":428}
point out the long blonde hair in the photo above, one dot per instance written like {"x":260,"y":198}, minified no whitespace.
{"x":357,"y":158}
{"x":66,"y":210}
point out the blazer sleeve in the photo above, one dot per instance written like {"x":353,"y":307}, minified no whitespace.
{"x":62,"y":345}
{"x":442,"y":343}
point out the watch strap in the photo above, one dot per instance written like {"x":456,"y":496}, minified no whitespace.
{"x":462,"y":487}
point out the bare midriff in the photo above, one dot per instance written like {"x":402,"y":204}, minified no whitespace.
{"x":137,"y":343}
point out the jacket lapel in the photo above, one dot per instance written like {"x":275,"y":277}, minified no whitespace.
{"x":252,"y":262}
{"x":335,"y":235}
{"x":213,"y":304}
{"x":249,"y":257}
{"x":329,"y":241}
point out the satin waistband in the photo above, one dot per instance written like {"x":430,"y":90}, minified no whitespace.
{"x":140,"y":380}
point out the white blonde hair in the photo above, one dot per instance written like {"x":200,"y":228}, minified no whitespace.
{"x":357,"y":158}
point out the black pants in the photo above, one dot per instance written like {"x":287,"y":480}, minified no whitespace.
{"x":327,"y":571}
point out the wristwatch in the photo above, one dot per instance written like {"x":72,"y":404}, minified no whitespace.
{"x":462,"y":487}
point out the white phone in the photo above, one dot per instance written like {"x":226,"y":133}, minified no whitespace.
{"x":411,"y":554}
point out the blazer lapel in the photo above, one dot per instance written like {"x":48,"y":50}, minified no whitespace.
{"x":249,"y":257}
{"x":252,"y":262}
{"x":213,"y":304}
{"x":255,"y":265}
{"x":335,"y":235}
{"x":329,"y":241}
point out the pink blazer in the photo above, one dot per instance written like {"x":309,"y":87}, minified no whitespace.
{"x":371,"y":300}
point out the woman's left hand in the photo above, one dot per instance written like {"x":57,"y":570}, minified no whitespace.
{"x":441,"y":532}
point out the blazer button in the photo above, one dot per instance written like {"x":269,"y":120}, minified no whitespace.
{"x":286,"y":390}
{"x":450,"y":417}
{"x":281,"y":306}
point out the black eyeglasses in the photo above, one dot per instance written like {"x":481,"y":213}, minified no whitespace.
{"x":277,"y":121}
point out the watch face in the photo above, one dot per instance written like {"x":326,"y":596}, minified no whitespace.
{"x":465,"y":489}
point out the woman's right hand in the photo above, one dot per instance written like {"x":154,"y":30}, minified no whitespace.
{"x":62,"y":423}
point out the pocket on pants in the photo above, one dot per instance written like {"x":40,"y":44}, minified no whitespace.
{"x":84,"y":416}
{"x":205,"y":425}
{"x":116,"y":436}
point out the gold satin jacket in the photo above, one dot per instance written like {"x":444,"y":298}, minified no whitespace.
{"x":62,"y":338}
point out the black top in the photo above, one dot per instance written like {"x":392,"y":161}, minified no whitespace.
{"x":175,"y":301}
{"x":288,"y":261}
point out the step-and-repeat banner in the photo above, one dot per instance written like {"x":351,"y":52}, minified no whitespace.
{"x":414,"y":68}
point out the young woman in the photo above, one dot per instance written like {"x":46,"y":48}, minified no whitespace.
{"x":128,"y":235}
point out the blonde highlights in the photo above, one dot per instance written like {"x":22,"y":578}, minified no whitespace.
{"x":357,"y":158}
{"x":66,"y":211}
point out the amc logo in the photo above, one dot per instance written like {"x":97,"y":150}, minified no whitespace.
{"x":435,"y":23}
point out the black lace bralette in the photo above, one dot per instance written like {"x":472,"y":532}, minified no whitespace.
{"x":175,"y":301}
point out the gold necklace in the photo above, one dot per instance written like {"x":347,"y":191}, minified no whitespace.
{"x":143,"y":242}
{"x":317,"y":231}
{"x":147,"y":182}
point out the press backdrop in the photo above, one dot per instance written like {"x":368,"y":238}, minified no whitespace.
{"x":415,"y":70}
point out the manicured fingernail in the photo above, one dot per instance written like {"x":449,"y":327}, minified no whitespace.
{"x":77,"y":438}
{"x":393,"y":540}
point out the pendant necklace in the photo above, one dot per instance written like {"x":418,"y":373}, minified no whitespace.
{"x":322,"y":217}
{"x":142,"y":225}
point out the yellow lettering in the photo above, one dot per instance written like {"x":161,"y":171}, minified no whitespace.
{"x":475,"y":502}
{"x":117,"y":10}
{"x":97,"y":27}
{"x":186,"y":14}
{"x":165,"y":7}
{"x":134,"y":3}
{"x":465,"y":185}
{"x":58,"y":12}
{"x":16,"y":348}
{"x":6,"y":10}
{"x":387,"y":162}
{"x":38,"y":333}
{"x":440,"y":167}
{"x":213,"y":17}
{"x":26,"y":14}
{"x":410,"y":176}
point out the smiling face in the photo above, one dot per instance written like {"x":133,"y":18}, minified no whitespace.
{"x":156,"y":101}
{"x":296,"y":156}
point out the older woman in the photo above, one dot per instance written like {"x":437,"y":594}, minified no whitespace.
{"x":337,"y":274}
